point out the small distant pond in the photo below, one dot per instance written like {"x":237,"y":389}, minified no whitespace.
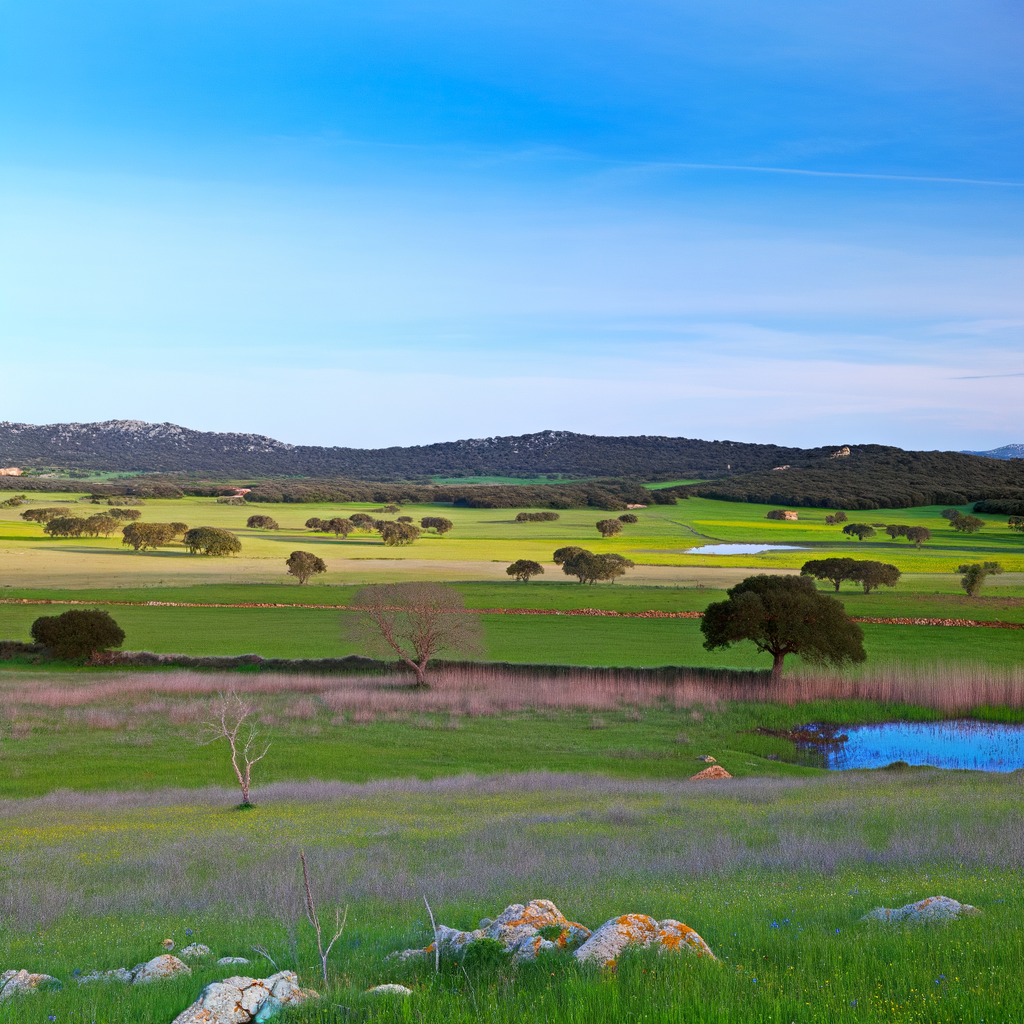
{"x":963,"y":743}
{"x":742,"y":549}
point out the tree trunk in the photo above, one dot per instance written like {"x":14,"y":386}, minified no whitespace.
{"x":777,"y":668}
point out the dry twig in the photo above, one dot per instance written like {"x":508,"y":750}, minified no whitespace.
{"x":339,"y":920}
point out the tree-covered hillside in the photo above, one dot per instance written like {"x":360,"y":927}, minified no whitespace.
{"x":133,"y":446}
{"x":874,"y":476}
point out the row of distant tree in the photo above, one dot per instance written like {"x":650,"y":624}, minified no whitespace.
{"x":205,"y":540}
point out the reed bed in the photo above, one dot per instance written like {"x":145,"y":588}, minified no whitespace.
{"x":476,"y":690}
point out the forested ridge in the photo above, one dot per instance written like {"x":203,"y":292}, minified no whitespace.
{"x":133,"y":446}
{"x":176,"y":461}
{"x":875,"y":476}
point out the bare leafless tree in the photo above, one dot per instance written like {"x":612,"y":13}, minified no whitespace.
{"x":231,"y":720}
{"x":339,"y":920}
{"x":415,"y":622}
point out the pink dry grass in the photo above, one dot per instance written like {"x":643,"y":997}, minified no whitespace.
{"x":487,"y":690}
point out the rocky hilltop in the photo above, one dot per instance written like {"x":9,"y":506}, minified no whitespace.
{"x":134,"y":446}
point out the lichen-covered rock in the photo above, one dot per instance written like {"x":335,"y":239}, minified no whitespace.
{"x":168,"y":945}
{"x":389,"y":990}
{"x":242,"y":1000}
{"x":716,"y":771}
{"x":224,"y":961}
{"x":674,"y":935}
{"x":160,"y":968}
{"x":516,"y":928}
{"x":121,"y":974}
{"x":194,"y":951}
{"x":23,"y":983}
{"x":707,"y":759}
{"x":933,"y":908}
{"x":640,"y":931}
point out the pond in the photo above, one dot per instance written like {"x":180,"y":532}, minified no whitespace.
{"x":963,"y":743}
{"x":742,"y":549}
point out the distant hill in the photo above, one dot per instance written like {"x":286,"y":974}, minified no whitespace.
{"x":134,"y":446}
{"x":874,"y":476}
{"x":848,"y":477}
{"x":1008,"y":451}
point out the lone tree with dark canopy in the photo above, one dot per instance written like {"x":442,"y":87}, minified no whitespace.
{"x":784,"y":615}
{"x":608,"y":527}
{"x":303,"y":564}
{"x":524,"y":568}
{"x":262,"y":523}
{"x":972,"y":576}
{"x":875,"y":574}
{"x":859,"y":530}
{"x":77,"y":633}
{"x":835,"y":570}
{"x":414,"y":622}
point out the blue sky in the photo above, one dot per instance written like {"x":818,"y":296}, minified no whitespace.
{"x":397,"y":223}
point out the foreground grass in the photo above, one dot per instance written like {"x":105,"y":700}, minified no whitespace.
{"x":774,"y":874}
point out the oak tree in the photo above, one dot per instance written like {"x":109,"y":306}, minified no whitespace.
{"x":77,"y":633}
{"x":303,"y":564}
{"x":784,"y":615}
{"x":522,"y":569}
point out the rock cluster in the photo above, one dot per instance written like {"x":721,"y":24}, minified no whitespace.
{"x":605,"y":946}
{"x":933,"y":908}
{"x":22,"y":983}
{"x":194,"y":951}
{"x":160,"y":968}
{"x":518,"y":930}
{"x":241,"y":1000}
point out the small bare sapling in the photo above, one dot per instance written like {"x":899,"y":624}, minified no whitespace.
{"x":231,"y":720}
{"x":339,"y":920}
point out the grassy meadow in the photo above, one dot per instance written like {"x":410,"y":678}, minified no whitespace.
{"x":498,"y":786}
{"x":774,"y":873}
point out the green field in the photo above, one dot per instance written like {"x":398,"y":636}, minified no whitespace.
{"x":481,"y":544}
{"x":540,"y":639}
{"x":774,"y":874}
{"x":121,"y":831}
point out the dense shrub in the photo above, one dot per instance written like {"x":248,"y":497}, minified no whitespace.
{"x":261,"y":523}
{"x":523,"y":569}
{"x":608,"y":527}
{"x":629,"y":518}
{"x":439,"y":524}
{"x":536,"y":517}
{"x":41,"y":515}
{"x":973,"y":576}
{"x":397,"y":534}
{"x":991,"y":506}
{"x":65,"y":526}
{"x":859,"y":530}
{"x":144,"y":536}
{"x":588,"y":567}
{"x":209,"y":540}
{"x":77,"y":633}
{"x":966,"y":524}
{"x":835,"y":519}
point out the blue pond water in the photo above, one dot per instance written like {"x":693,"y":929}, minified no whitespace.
{"x":983,"y":746}
{"x":741,"y":549}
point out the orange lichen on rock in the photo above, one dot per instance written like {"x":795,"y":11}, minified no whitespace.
{"x":607,"y":943}
{"x":716,"y":771}
{"x":516,"y":928}
{"x":674,"y":935}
